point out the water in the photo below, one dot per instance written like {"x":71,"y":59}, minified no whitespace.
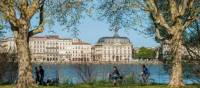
{"x":69,"y":71}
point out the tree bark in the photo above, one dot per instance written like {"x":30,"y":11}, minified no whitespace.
{"x":177,"y":71}
{"x":25,"y":79}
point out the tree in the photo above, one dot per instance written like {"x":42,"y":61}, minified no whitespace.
{"x":192,"y":44}
{"x":18,"y":14}
{"x":117,"y":13}
{"x":1,"y":31}
{"x":170,"y":18}
{"x":145,"y":53}
{"x":85,"y":71}
{"x":192,"y":40}
{"x":173,"y":16}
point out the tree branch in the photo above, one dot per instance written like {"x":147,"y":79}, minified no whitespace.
{"x":186,"y":4}
{"x":7,"y":8}
{"x":193,"y":15}
{"x":33,"y":8}
{"x":36,"y":31}
{"x":193,"y":52}
{"x":23,"y":5}
{"x":173,"y":9}
{"x":157,"y":15}
{"x":158,"y":33}
{"x":189,"y":20}
{"x":40,"y":28}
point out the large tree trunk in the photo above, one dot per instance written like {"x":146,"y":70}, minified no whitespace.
{"x":25,"y":79}
{"x":177,"y":71}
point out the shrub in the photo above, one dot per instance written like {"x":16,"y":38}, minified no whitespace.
{"x":8,"y":68}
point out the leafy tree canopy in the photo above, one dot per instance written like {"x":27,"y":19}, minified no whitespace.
{"x":145,"y":53}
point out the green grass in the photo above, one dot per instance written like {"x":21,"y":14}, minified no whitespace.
{"x":130,"y":86}
{"x":105,"y":86}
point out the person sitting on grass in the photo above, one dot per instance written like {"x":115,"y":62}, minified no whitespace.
{"x":115,"y":75}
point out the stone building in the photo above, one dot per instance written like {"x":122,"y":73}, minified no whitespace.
{"x":165,"y":50}
{"x":49,"y":48}
{"x":113,"y":48}
{"x":81,"y":51}
{"x":8,"y":45}
{"x":53,"y":49}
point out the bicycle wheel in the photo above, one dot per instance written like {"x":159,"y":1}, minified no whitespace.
{"x":151,"y":81}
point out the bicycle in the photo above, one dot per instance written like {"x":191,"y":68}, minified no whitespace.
{"x":148,"y":80}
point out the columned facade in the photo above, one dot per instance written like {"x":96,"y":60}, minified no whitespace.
{"x":54,"y":49}
{"x":114,"y":48}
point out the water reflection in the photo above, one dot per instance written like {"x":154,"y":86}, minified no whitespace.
{"x":69,"y":72}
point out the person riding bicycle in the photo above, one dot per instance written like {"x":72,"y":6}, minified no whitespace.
{"x":145,"y":73}
{"x":115,"y":75}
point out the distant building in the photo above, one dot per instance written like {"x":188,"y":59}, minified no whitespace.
{"x":48,"y":48}
{"x":54,"y":49}
{"x":81,"y":51}
{"x":165,"y":50}
{"x":8,"y":45}
{"x":114,"y":48}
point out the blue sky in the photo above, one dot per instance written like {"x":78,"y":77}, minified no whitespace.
{"x":91,"y":30}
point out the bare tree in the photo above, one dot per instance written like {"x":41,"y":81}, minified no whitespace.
{"x":86,"y":71}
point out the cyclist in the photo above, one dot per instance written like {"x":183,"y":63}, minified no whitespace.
{"x":145,"y":73}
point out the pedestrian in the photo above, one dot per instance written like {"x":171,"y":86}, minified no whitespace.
{"x":37,"y":75}
{"x":115,"y":75}
{"x":41,"y":71}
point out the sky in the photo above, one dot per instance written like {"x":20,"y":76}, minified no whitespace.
{"x":90,"y":30}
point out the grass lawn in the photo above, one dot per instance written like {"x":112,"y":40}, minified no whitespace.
{"x":106,"y":86}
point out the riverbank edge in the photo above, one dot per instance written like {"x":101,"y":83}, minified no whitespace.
{"x":102,"y":62}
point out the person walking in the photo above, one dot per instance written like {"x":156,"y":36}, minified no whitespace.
{"x":41,"y":71}
{"x":37,"y":75}
{"x":115,"y":75}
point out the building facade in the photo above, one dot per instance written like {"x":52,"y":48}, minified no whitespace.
{"x":7,"y":45}
{"x":54,"y":49}
{"x":81,"y":51}
{"x":114,"y":48}
{"x":165,"y":50}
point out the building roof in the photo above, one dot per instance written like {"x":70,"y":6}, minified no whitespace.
{"x":80,"y":43}
{"x":50,"y":37}
{"x":113,"y":40}
{"x":65,"y":39}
